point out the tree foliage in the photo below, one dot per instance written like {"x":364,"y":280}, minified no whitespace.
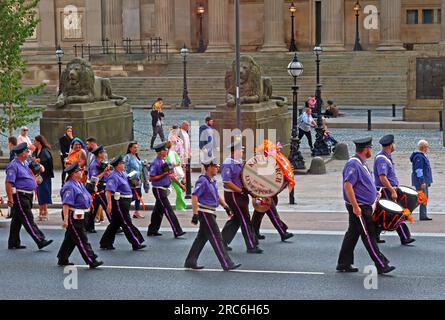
{"x":18,"y":21}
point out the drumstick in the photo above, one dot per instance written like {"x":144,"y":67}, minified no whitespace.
{"x":363,"y":226}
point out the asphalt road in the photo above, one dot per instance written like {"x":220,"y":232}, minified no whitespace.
{"x":303,"y":268}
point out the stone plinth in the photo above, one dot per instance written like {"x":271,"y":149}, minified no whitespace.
{"x":112,"y":125}
{"x":271,"y":114}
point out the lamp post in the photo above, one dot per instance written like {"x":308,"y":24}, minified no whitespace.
{"x":320,"y":146}
{"x":185,"y":94}
{"x":295,"y":69}
{"x":59,"y":56}
{"x":357,"y":45}
{"x":292,"y":10}
{"x":201,"y":10}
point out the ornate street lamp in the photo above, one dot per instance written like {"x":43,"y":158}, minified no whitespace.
{"x":59,"y":56}
{"x":320,"y":146}
{"x":185,"y":95}
{"x":357,"y":45}
{"x":295,"y":70}
{"x":200,"y":10}
{"x":293,"y":45}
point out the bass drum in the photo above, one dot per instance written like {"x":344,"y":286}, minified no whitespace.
{"x":408,"y":198}
{"x":263,"y":177}
{"x":387,"y":215}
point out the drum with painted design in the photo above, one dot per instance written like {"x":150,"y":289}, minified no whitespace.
{"x":387,"y":215}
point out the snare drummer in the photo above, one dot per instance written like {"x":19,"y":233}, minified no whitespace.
{"x":238,"y":200}
{"x":97,"y":172}
{"x":359,"y":193}
{"x":119,"y":197}
{"x":385,"y":177}
{"x":76,"y":201}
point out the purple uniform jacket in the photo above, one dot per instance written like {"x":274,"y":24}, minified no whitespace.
{"x":206,"y":189}
{"x":383,"y":165}
{"x":20,"y":176}
{"x":118,"y":182}
{"x":75,"y":195}
{"x":156,"y":170}
{"x":358,"y":174}
{"x":231,"y":171}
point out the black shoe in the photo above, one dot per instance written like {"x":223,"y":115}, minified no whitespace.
{"x":64,"y":263}
{"x":380,"y":240}
{"x":96,"y":264}
{"x":261,"y":237}
{"x":108,"y":248}
{"x":255,"y":250}
{"x":193,"y":266}
{"x":425,"y":219}
{"x":348,"y":268}
{"x":92,"y":231}
{"x":119,"y":231}
{"x":232,"y":267}
{"x":180,"y":234}
{"x":286,"y":236}
{"x":136,"y":248}
{"x":16,"y":247}
{"x":408,"y":241}
{"x":154,"y":234}
{"x":44,"y":244}
{"x":228,"y":248}
{"x":386,"y":269}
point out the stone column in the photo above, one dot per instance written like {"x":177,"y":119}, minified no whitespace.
{"x":218,"y":26}
{"x":131,"y":17}
{"x":113,"y":30}
{"x":333,"y":25}
{"x":390,"y":19}
{"x":46,"y":29}
{"x":165,"y":22}
{"x":94,"y":22}
{"x":273,"y":26}
{"x":442,"y":26}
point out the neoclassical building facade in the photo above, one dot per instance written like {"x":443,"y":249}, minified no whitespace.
{"x":265,"y":24}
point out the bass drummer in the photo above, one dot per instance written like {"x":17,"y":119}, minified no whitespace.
{"x":359,"y":193}
{"x":385,"y":178}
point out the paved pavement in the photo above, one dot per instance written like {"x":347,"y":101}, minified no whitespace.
{"x":303,"y":268}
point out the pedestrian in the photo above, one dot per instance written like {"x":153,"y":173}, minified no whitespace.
{"x":206,"y":141}
{"x":268,"y":206}
{"x":386,"y":179}
{"x":205,"y":200}
{"x":12,"y":143}
{"x":305,"y":124}
{"x":98,"y":173}
{"x":77,"y":154}
{"x":64,"y":144}
{"x":134,"y":163}
{"x":331,"y":110}
{"x":161,"y":176}
{"x":119,"y":197}
{"x":76,"y":201}
{"x":20,"y":186}
{"x":23,"y":137}
{"x":157,"y":121}
{"x":237,"y":198}
{"x":185,"y":136}
{"x":42,"y":154}
{"x":360,"y":194}
{"x":174,"y":159}
{"x":421,"y":176}
{"x":91,"y":145}
{"x":328,"y":137}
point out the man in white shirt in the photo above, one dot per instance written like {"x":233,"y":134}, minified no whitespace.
{"x":186,"y":139}
{"x":305,"y":123}
{"x":23,"y":137}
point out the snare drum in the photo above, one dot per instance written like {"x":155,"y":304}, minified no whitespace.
{"x":263,"y":177}
{"x":408,"y":198}
{"x":387,"y":215}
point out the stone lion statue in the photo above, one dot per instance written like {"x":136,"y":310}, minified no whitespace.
{"x":254,"y":88}
{"x":79,"y":85}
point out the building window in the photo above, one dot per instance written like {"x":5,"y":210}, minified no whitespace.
{"x":439,"y":16}
{"x":428,"y":16}
{"x":412,"y":17}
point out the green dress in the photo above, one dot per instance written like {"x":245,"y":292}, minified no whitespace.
{"x":173,"y":158}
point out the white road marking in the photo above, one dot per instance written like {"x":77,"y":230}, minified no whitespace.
{"x":273,"y":231}
{"x":206,"y":270}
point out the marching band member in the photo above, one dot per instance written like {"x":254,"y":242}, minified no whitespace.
{"x":385,"y":177}
{"x":98,"y":172}
{"x":205,"y":200}
{"x":76,"y":201}
{"x":160,"y":178}
{"x":269,"y":208}
{"x":119,"y":197}
{"x":238,"y":200}
{"x":360,"y":194}
{"x":20,"y":185}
